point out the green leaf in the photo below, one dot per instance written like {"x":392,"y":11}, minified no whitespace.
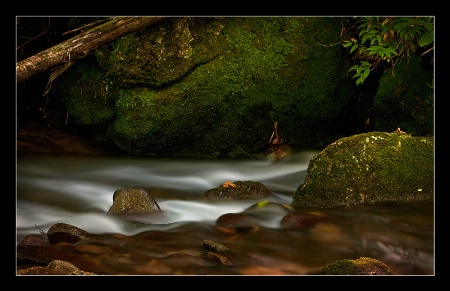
{"x":363,"y":26}
{"x":406,"y":35}
{"x":364,"y":39}
{"x":361,"y":33}
{"x":428,"y":26}
{"x":405,"y":31}
{"x":362,"y":50}
{"x":375,"y":48}
{"x":379,"y":39}
{"x":427,"y":38}
{"x":346,"y":43}
{"x":391,"y":50}
{"x":354,"y":47}
{"x":399,"y":26}
{"x":355,"y":67}
{"x":366,"y":73}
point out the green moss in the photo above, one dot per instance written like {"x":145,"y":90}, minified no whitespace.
{"x":87,"y":95}
{"x":152,"y":119}
{"x":406,"y":99}
{"x":232,"y":79}
{"x":213,"y":86}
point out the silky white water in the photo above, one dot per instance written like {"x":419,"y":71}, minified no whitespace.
{"x":79,"y":191}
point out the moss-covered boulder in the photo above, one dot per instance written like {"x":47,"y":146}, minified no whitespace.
{"x":361,"y":266}
{"x":213,"y":86}
{"x":369,"y":168}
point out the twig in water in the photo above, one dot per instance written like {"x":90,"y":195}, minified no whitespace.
{"x":40,"y":230}
{"x":245,"y":153}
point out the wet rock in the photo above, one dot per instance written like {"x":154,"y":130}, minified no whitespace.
{"x":33,"y":240}
{"x":62,"y":232}
{"x":238,"y":190}
{"x":39,"y":256}
{"x":219,"y":259}
{"x":209,"y":245}
{"x":261,"y":214}
{"x":215,"y":252}
{"x":133,"y":201}
{"x":55,"y":267}
{"x":361,"y":266}
{"x":237,"y":221}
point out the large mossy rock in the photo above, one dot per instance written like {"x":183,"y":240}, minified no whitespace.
{"x":213,"y":86}
{"x":369,"y":168}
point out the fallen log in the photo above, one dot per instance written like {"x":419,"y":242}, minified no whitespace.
{"x":66,"y":53}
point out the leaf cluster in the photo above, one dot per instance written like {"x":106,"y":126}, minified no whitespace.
{"x":386,"y":39}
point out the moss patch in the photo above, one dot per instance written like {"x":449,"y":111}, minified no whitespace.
{"x":88,"y":96}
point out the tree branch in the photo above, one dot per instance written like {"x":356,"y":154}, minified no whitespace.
{"x":79,"y":46}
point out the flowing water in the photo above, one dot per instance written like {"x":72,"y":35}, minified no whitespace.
{"x":78,"y":190}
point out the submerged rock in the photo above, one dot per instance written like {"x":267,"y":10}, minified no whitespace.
{"x":237,"y":221}
{"x":301,"y":220}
